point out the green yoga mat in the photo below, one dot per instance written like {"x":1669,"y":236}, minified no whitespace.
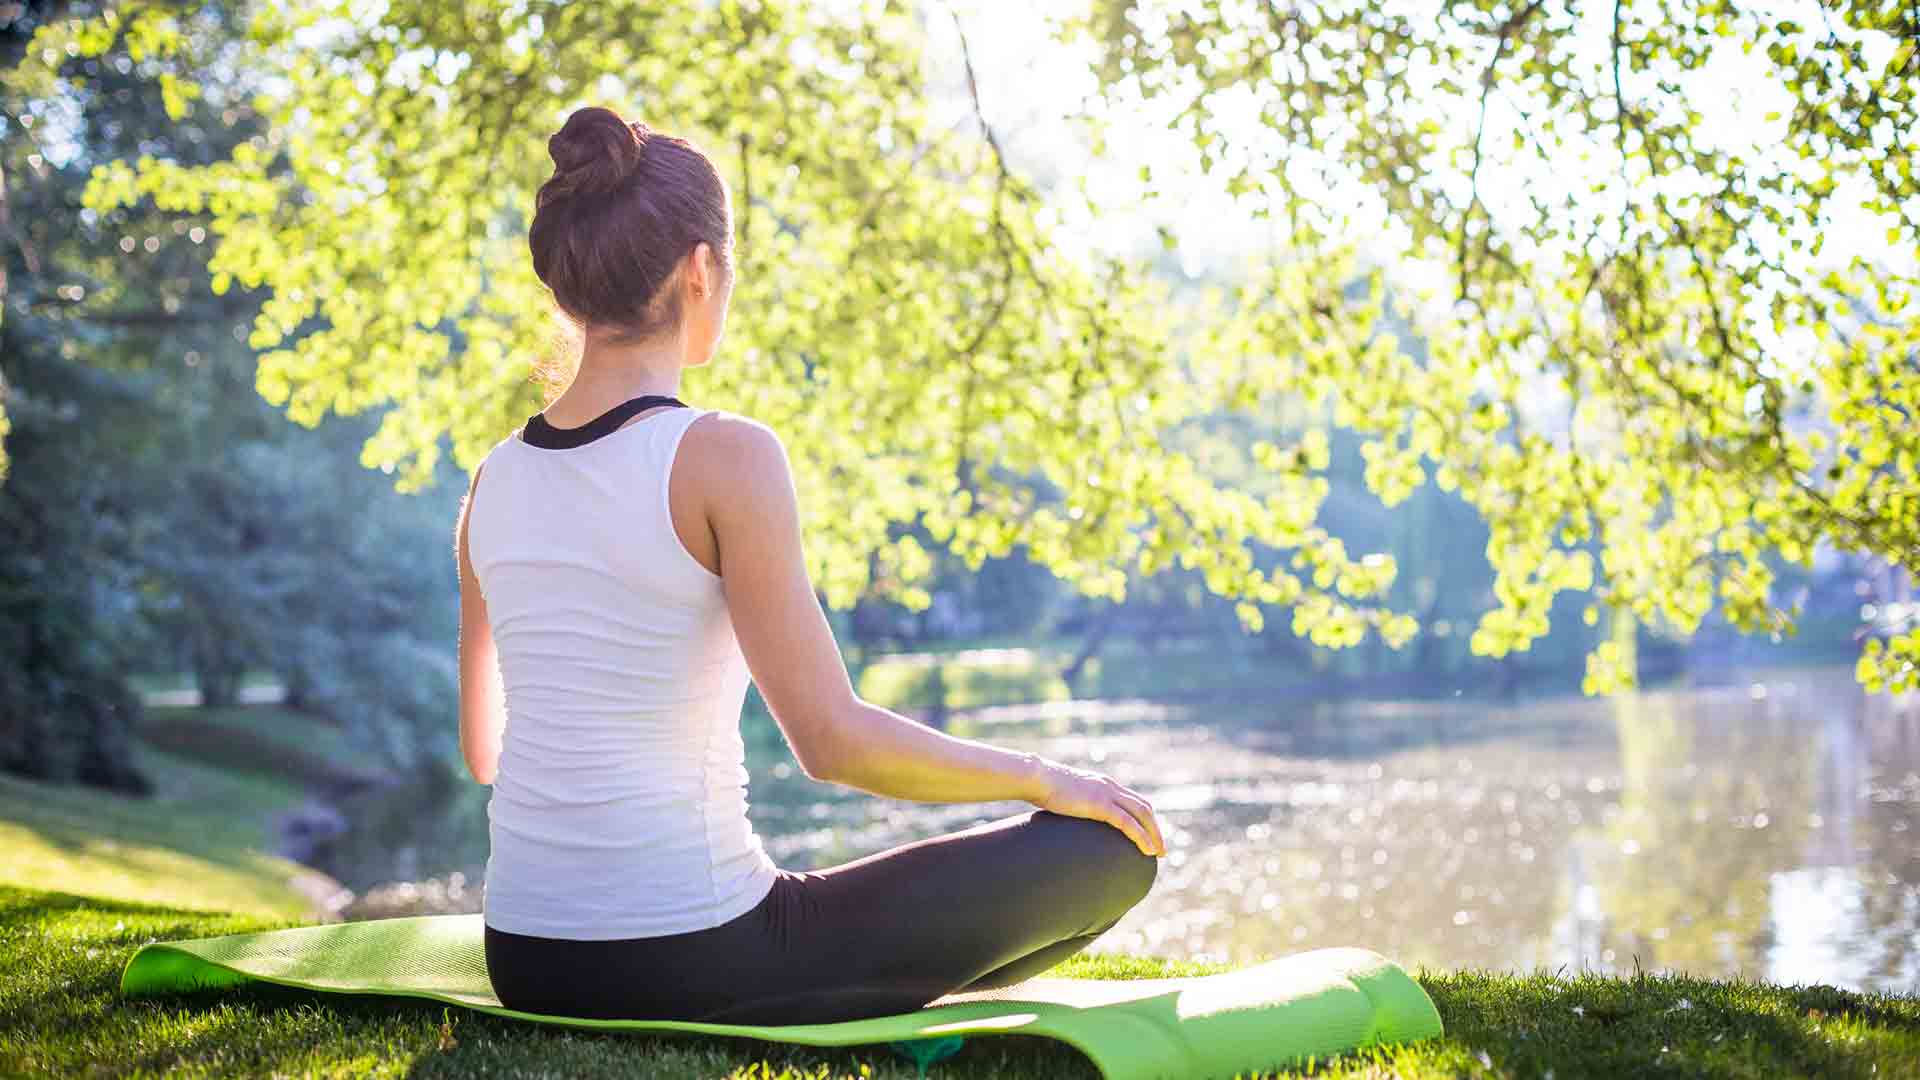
{"x":1265,"y":1016}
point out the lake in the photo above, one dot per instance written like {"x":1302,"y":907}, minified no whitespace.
{"x":1769,"y":829}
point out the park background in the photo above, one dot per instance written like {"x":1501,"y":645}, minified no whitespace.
{"x":1484,"y":524}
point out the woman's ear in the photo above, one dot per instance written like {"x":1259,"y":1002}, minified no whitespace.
{"x":701,"y":270}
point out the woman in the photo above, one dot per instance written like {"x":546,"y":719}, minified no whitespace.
{"x":625,"y":562}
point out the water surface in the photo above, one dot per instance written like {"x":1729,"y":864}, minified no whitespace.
{"x":1766,"y":829}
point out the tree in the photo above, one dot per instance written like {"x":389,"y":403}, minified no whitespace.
{"x":65,"y":570}
{"x":909,"y":325}
{"x":156,"y":509}
{"x":1658,"y":282}
{"x":97,"y":320}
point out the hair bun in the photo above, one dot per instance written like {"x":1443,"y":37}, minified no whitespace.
{"x":595,"y":151}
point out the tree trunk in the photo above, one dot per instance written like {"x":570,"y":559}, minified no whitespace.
{"x":1088,"y":648}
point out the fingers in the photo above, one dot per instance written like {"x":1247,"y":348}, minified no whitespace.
{"x":1132,"y":816}
{"x":1143,"y":812}
{"x":1108,"y":800}
{"x":1121,"y":818}
{"x":1136,"y":805}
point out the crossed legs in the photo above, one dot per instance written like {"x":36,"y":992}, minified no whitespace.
{"x":969,"y":910}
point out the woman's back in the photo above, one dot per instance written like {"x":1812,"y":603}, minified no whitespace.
{"x":620,"y":806}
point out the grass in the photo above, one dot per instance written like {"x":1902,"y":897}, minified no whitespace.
{"x":1016,"y":671}
{"x":204,"y":839}
{"x":261,"y":739}
{"x":907,"y":680}
{"x":61,"y":1015}
{"x":1030,"y":673}
{"x":200,"y":841}
{"x":163,"y":681}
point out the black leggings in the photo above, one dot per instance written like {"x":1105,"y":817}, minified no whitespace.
{"x":970,"y":910}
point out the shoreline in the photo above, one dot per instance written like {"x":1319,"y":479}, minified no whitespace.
{"x":303,"y":833}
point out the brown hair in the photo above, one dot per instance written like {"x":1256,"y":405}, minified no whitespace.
{"x":624,"y":206}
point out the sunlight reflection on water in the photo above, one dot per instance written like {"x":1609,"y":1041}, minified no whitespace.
{"x":1721,"y":831}
{"x":1768,"y":832}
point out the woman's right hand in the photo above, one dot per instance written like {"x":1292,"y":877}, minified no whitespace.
{"x":1083,"y":793}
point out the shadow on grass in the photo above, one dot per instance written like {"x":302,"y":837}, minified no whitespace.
{"x":221,"y":738}
{"x":21,"y":908}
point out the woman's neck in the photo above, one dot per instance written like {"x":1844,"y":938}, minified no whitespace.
{"x":609,"y":375}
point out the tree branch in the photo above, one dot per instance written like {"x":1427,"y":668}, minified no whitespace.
{"x":1507,"y":29}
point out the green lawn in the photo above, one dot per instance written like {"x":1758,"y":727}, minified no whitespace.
{"x":161,"y":681}
{"x":61,"y":1015}
{"x":1030,"y":673}
{"x":266,"y":739}
{"x":200,"y":841}
{"x":204,"y":840}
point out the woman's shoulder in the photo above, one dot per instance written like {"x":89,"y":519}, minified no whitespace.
{"x":730,"y":431}
{"x":496,"y":450}
{"x":731,"y":441}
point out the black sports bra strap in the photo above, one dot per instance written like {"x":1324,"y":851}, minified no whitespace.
{"x":544,"y":435}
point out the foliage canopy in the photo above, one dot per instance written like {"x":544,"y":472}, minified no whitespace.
{"x":1654,"y":380}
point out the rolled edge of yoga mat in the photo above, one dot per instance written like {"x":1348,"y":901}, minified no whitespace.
{"x":1270,"y":1015}
{"x":1267,"y":1015}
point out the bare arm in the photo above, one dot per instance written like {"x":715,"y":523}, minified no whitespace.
{"x":483,"y":712}
{"x":790,"y":650}
{"x":900,"y":758}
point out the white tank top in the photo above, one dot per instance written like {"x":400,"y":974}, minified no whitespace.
{"x":619,"y":807}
